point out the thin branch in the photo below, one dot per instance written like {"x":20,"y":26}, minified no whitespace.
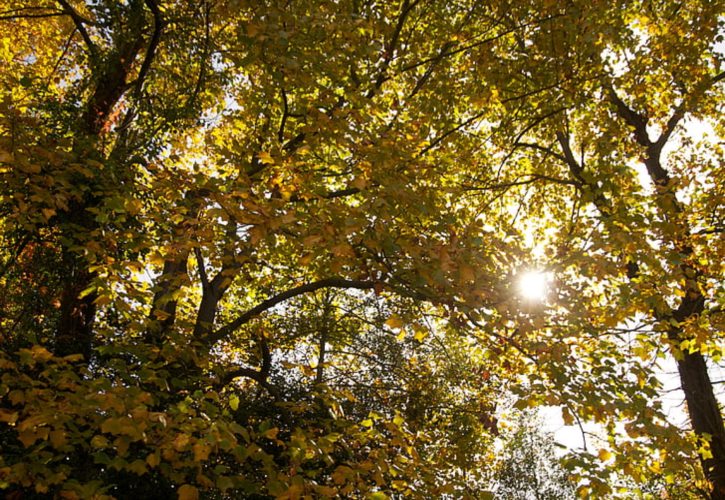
{"x":541,"y":148}
{"x":475,"y":44}
{"x":423,"y":79}
{"x":205,"y":54}
{"x":390,"y":47}
{"x":569,"y":158}
{"x":334,"y":282}
{"x":80,"y":23}
{"x":341,"y":193}
{"x":601,"y":201}
{"x":153,"y":45}
{"x":531,"y":179}
{"x":11,"y":260}
{"x":455,"y":129}
{"x":257,"y":376}
{"x":670,"y":127}
{"x":639,"y":123}
{"x":202,"y":269}
{"x":285,"y":114}
{"x":63,"y":54}
{"x":10,"y":17}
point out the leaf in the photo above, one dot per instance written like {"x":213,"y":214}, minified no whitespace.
{"x":40,"y":353}
{"x":265,"y":158}
{"x":378,"y":495}
{"x":137,"y":467}
{"x":5,"y":156}
{"x":8,"y":416}
{"x":567,"y":416}
{"x":201,"y":451}
{"x":153,"y":459}
{"x":188,"y":492}
{"x":271,"y":433}
{"x":394,"y":322}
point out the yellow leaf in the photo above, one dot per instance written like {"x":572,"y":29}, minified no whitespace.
{"x":57,"y":438}
{"x":359,"y":182}
{"x":466,"y":273}
{"x":156,"y":259}
{"x":567,"y":416}
{"x":343,"y":250}
{"x":201,"y":451}
{"x":5,"y":157}
{"x":604,"y":455}
{"x":9,"y":417}
{"x":30,"y":168}
{"x":40,"y":353}
{"x":265,"y":158}
{"x":181,"y":441}
{"x":138,"y":467}
{"x":188,"y":492}
{"x":132,"y":206}
{"x":103,"y":300}
{"x":311,"y":240}
{"x":394,"y":321}
{"x":252,"y":29}
{"x":153,"y":460}
{"x":271,"y":433}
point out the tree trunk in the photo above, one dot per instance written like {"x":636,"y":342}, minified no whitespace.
{"x":705,"y":417}
{"x":75,"y":329}
{"x":702,"y":406}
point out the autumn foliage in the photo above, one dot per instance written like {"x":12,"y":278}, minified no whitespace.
{"x":261,"y":249}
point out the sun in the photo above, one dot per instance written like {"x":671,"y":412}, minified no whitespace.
{"x":534,"y":285}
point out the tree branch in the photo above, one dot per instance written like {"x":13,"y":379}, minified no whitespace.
{"x":455,"y":129}
{"x":285,"y":114}
{"x":635,"y":120}
{"x":202,"y":270}
{"x":334,"y":282}
{"x":541,"y":148}
{"x":6,"y":16}
{"x":390,"y":47}
{"x":531,"y":179}
{"x":153,"y":45}
{"x":80,"y":23}
{"x":569,"y":158}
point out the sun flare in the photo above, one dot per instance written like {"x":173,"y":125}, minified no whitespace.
{"x":534,"y":285}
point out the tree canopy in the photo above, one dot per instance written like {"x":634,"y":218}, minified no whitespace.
{"x":270,"y":249}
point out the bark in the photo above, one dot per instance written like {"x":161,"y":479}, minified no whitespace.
{"x":705,"y":417}
{"x":702,"y":406}
{"x":164,"y":303}
{"x":75,"y":329}
{"x":77,"y":314}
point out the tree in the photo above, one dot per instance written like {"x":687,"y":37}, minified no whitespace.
{"x":267,"y":248}
{"x":611,"y":100}
{"x":528,"y":467}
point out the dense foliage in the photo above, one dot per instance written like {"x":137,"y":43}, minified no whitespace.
{"x":255,"y":249}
